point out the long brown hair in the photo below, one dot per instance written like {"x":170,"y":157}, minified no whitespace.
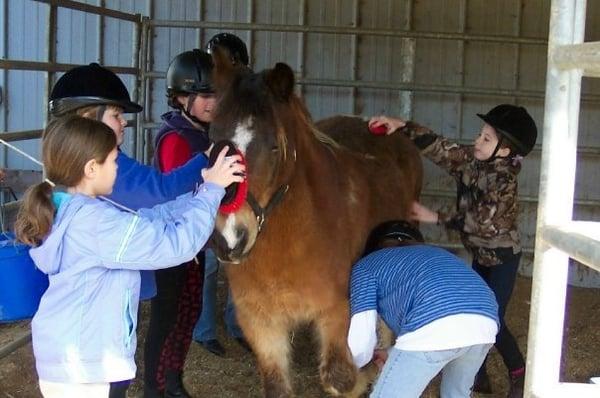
{"x":68,"y":143}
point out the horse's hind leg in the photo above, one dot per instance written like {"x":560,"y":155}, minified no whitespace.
{"x":338,"y":373}
{"x":366,"y":376}
{"x":271,"y":345}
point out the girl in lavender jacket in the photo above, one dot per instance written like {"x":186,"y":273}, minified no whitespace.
{"x":84,"y":332}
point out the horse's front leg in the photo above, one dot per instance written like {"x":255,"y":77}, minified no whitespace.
{"x":269,"y":339}
{"x":338,"y":373}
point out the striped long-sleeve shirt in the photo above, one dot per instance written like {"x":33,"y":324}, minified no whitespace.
{"x":411,"y":287}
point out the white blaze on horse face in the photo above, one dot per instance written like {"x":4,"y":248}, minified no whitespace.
{"x":243,"y":135}
{"x":229,"y":232}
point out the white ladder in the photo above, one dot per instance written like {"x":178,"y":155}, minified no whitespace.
{"x":558,"y":237}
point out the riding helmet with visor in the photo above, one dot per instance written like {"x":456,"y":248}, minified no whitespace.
{"x":89,"y":85}
{"x":399,"y":230}
{"x":233,"y":44}
{"x":513,"y":124}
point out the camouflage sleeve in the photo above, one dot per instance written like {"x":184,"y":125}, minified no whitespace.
{"x":447,"y":154}
{"x":451,"y":219}
{"x":496,"y":211}
{"x":492,"y":212}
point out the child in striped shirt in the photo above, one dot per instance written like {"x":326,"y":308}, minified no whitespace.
{"x":444,"y":315}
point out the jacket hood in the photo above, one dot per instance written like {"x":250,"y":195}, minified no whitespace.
{"x":176,"y":121}
{"x":48,"y":255}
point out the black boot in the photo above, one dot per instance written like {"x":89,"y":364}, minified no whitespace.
{"x":174,"y":385}
{"x":517,"y":384}
{"x":151,"y":392}
{"x":482,"y":382}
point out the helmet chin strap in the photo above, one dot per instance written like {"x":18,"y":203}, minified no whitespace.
{"x":188,"y":109}
{"x":493,"y":156}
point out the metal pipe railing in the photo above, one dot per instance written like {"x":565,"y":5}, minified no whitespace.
{"x":579,"y":239}
{"x":20,"y":341}
{"x":400,"y":86}
{"x":556,"y":195}
{"x":90,"y":9}
{"x":340,"y":30}
{"x":584,"y":56}
{"x":56,"y":67}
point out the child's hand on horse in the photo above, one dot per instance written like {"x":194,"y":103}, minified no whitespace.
{"x":392,"y":124}
{"x":418,"y":212}
{"x":379,"y":358}
{"x":226,"y":170}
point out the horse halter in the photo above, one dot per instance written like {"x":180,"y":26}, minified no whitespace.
{"x":260,"y":212}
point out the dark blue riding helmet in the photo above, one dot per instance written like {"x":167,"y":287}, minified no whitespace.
{"x":399,"y":230}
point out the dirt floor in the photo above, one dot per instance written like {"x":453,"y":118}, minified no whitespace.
{"x":235,"y":376}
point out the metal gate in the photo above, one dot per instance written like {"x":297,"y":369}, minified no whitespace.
{"x":558,"y":237}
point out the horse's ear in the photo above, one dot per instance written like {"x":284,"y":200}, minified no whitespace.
{"x":223,"y":70}
{"x":280,"y":80}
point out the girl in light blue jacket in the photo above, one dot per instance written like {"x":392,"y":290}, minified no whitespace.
{"x":84,"y":332}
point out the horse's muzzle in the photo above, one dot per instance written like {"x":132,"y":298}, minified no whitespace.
{"x":224,"y":253}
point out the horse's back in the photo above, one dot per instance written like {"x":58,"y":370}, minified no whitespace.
{"x":389,"y":152}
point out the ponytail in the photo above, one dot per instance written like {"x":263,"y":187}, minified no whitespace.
{"x":68,"y":143}
{"x":35,"y":217}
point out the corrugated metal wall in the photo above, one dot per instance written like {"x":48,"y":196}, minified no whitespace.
{"x":447,"y":76}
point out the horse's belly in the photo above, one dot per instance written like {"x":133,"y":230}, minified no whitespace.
{"x":297,"y":296}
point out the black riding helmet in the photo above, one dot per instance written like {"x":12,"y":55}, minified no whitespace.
{"x":89,"y":85}
{"x":233,"y":44}
{"x":399,"y":230}
{"x":189,"y":73}
{"x":514,"y":124}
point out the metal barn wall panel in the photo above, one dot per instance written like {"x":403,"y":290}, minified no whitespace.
{"x":328,"y":56}
{"x":26,"y":30}
{"x":81,"y":38}
{"x":272,"y":47}
{"x":168,"y":42}
{"x":77,"y":35}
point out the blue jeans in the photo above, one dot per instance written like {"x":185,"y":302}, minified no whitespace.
{"x":205,"y":328}
{"x":406,"y":374}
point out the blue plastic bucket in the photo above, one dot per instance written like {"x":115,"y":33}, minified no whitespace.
{"x":21,"y":283}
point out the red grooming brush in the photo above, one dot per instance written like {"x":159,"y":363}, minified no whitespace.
{"x":378,"y":130}
{"x":235,"y":203}
{"x":235,"y":194}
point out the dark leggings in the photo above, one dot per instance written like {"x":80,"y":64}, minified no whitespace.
{"x":173,"y":313}
{"x":501,"y":279}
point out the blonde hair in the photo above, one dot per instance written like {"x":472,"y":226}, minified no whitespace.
{"x":95,"y":112}
{"x":68,"y":143}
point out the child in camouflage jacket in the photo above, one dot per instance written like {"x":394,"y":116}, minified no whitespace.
{"x":486,"y":208}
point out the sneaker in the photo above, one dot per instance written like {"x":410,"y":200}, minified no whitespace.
{"x":517,"y":383}
{"x":213,"y":346}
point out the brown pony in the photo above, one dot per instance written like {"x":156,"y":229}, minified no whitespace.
{"x":312,"y":201}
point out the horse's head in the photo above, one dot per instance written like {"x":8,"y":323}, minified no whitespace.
{"x":255,"y":112}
